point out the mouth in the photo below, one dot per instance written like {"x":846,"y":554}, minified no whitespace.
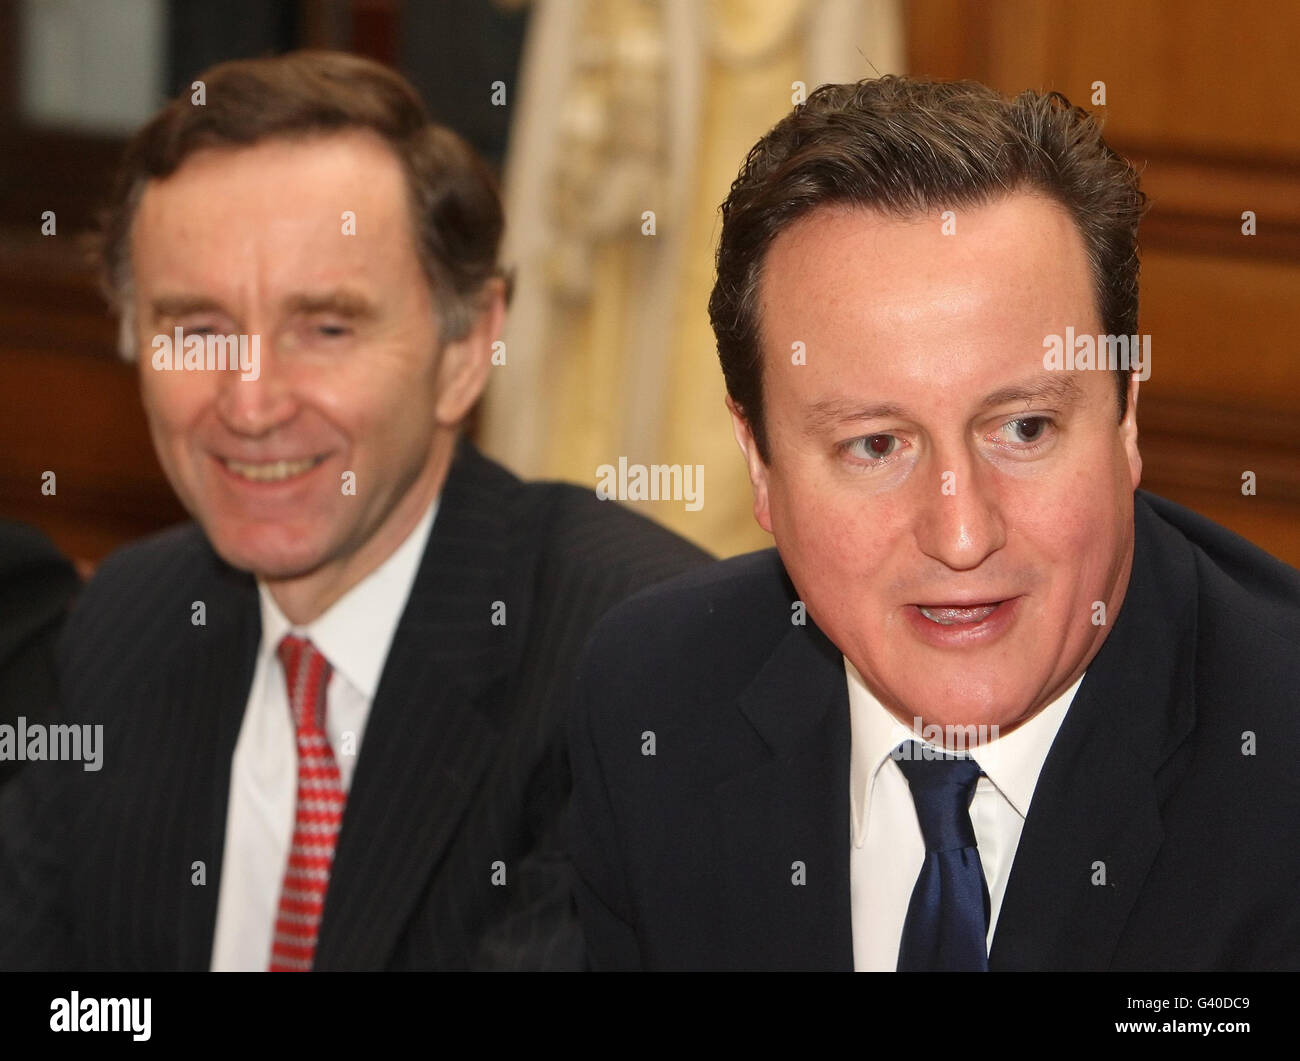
{"x":276,"y":471}
{"x":958,"y":614}
{"x":963,"y":624}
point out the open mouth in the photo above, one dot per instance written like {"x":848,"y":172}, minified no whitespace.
{"x":270,"y":471}
{"x":958,"y":615}
{"x":963,"y":624}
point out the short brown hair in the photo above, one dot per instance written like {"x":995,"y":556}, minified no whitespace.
{"x":455,"y":205}
{"x":907,"y":146}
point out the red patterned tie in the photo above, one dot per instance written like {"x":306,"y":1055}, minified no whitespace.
{"x":320,"y":810}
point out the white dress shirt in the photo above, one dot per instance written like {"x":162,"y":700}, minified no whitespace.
{"x":886,"y":848}
{"x":354,"y":635}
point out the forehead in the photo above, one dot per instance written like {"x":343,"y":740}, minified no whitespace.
{"x":877,"y":300}
{"x":1023,"y":244}
{"x":282,"y":199}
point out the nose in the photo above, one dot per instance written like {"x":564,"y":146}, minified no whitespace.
{"x":257,"y":402}
{"x":961,"y":523}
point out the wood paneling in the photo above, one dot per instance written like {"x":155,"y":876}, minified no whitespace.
{"x":1222,"y":328}
{"x":69,"y":406}
{"x":79,"y":417}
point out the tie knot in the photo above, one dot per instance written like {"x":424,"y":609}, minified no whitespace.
{"x":306,"y":674}
{"x":942,"y":787}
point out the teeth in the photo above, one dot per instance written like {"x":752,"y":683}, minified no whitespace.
{"x":954,"y":616}
{"x":270,"y":472}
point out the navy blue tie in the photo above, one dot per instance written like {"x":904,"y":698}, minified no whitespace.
{"x":948,"y":917}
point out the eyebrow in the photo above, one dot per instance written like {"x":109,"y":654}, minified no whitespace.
{"x":167,"y":306}
{"x":1057,"y":388}
{"x":834,"y":411}
{"x":342,"y":301}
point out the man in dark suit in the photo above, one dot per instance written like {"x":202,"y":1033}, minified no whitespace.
{"x":986,"y":705}
{"x":332,"y":734}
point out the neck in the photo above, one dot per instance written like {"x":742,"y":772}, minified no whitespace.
{"x":305,"y":598}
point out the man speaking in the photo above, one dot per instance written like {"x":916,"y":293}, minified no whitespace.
{"x":986,"y":705}
{"x":332,"y":706}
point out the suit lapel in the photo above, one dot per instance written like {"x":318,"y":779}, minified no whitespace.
{"x":431,"y":730}
{"x":202,"y":699}
{"x":1094,"y":827}
{"x":785,"y":819}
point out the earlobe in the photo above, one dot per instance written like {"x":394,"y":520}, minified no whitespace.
{"x":762,"y":510}
{"x":754,"y":465}
{"x":1130,"y":433}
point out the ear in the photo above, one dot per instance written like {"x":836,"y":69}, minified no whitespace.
{"x":753,"y":463}
{"x":465,"y":362}
{"x":1129,"y":432}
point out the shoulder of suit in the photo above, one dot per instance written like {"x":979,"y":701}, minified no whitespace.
{"x":700,"y":636}
{"x":147,"y":588}
{"x":586,"y":528}
{"x":36,"y":584}
{"x":1248,"y":608}
{"x":24,"y":548}
{"x":1233,"y":572}
{"x":158,"y":564}
{"x":572,"y":531}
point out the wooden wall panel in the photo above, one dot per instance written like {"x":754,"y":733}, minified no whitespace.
{"x":70,"y":406}
{"x":79,"y":417}
{"x":1176,"y":71}
{"x":1221,"y":328}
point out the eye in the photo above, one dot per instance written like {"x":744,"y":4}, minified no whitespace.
{"x":1030,"y":429}
{"x":332,"y":331}
{"x":1027,"y":434}
{"x":873,"y":449}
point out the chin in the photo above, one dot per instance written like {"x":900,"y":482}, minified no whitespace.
{"x":957,"y":700}
{"x":273,"y":558}
{"x":976,"y":712}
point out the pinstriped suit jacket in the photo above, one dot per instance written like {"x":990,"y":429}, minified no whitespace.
{"x":463,"y":763}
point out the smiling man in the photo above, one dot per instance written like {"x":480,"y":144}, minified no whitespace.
{"x":332,"y":704}
{"x":986,"y":705}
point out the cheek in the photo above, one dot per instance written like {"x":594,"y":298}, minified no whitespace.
{"x":175,"y":400}
{"x":353,"y":395}
{"x":835,"y":544}
{"x":1077,"y":534}
{"x":378,"y":386}
{"x":802,"y":513}
{"x":382,"y":414}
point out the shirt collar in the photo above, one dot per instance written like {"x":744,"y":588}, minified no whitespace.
{"x":355,"y":633}
{"x":1012,"y":761}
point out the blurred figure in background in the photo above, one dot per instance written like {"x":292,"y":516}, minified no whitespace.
{"x":37,"y":583}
